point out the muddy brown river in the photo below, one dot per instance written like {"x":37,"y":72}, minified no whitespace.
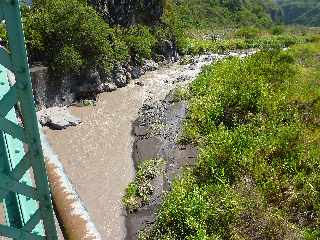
{"x":97,"y":154}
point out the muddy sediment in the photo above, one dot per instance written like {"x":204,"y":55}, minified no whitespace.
{"x":156,"y":132}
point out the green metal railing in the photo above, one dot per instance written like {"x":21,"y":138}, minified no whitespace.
{"x":24,"y":188}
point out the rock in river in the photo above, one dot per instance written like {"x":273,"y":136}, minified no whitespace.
{"x":57,"y":118}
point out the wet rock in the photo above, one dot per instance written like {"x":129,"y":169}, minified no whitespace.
{"x":137,"y":72}
{"x":57,"y":118}
{"x":145,"y":149}
{"x":150,"y":65}
{"x":193,"y":66}
{"x":159,"y":58}
{"x":119,"y":76}
{"x":140,"y":131}
{"x":110,"y":87}
{"x":182,"y":78}
{"x":168,"y":49}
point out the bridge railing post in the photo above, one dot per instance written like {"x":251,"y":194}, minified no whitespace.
{"x":27,"y":199}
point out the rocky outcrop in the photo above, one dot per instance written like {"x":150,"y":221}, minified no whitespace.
{"x":130,"y":12}
{"x":48,"y":92}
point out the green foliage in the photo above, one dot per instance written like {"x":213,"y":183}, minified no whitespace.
{"x":277,"y":30}
{"x":248,"y":32}
{"x":195,"y":46}
{"x":69,"y":34}
{"x":68,"y":58}
{"x":3,"y":33}
{"x":205,"y":13}
{"x":180,"y":94}
{"x":140,"y":190}
{"x":140,"y":40}
{"x":257,"y":124}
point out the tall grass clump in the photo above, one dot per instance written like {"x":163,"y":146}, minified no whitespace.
{"x":257,"y":124}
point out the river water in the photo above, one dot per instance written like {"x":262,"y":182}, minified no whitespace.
{"x":97,"y":154}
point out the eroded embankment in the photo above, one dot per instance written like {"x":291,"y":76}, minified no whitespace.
{"x":157,"y":131}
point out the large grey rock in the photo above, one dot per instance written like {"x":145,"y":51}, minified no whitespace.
{"x":109,"y":87}
{"x":119,"y":76}
{"x":169,"y":50}
{"x":137,"y":72}
{"x":129,"y":12}
{"x":57,"y":118}
{"x":40,"y":77}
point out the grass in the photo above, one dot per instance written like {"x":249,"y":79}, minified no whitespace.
{"x":195,"y":46}
{"x":140,"y":190}
{"x":257,"y":124}
{"x":180,"y":93}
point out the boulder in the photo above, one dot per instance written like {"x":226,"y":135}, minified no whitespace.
{"x":119,"y":76}
{"x":137,"y":72}
{"x":57,"y":118}
{"x":169,"y":50}
{"x":110,"y":87}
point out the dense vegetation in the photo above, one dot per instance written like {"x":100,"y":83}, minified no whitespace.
{"x":257,"y":124}
{"x":208,"y":13}
{"x":72,"y":35}
{"x":306,"y":12}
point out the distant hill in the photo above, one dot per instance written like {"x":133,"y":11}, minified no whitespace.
{"x":305,"y":12}
{"x":202,"y":13}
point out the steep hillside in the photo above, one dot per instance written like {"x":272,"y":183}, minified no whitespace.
{"x":306,"y":12}
{"x":207,"y":13}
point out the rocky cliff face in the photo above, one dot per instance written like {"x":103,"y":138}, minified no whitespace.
{"x":130,"y":12}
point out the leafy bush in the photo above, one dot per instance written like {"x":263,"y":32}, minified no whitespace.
{"x":140,"y":190}
{"x":59,"y":32}
{"x":139,"y":40}
{"x":277,"y":30}
{"x":3,"y":33}
{"x":248,"y":32}
{"x":257,"y":124}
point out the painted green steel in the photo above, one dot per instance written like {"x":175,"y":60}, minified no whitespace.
{"x":28,"y":206}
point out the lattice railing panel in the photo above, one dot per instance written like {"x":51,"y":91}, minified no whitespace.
{"x":26,"y":199}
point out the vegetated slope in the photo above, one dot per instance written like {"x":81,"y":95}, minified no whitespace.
{"x":257,"y":124}
{"x":207,"y":13}
{"x":305,"y":12}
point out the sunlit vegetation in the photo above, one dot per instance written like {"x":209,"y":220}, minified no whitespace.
{"x":256,"y":122}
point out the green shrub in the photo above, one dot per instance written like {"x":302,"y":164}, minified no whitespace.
{"x":3,"y":33}
{"x":82,"y":36}
{"x":277,"y":30}
{"x":140,"y":41}
{"x":68,"y":58}
{"x":248,"y":32}
{"x":140,"y":190}
{"x":257,"y":125}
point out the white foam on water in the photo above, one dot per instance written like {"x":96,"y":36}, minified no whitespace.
{"x":78,"y":208}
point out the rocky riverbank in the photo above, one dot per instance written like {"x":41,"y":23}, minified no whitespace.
{"x":97,"y":154}
{"x":156,"y":132}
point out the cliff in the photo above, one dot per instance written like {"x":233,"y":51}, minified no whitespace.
{"x":130,"y":12}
